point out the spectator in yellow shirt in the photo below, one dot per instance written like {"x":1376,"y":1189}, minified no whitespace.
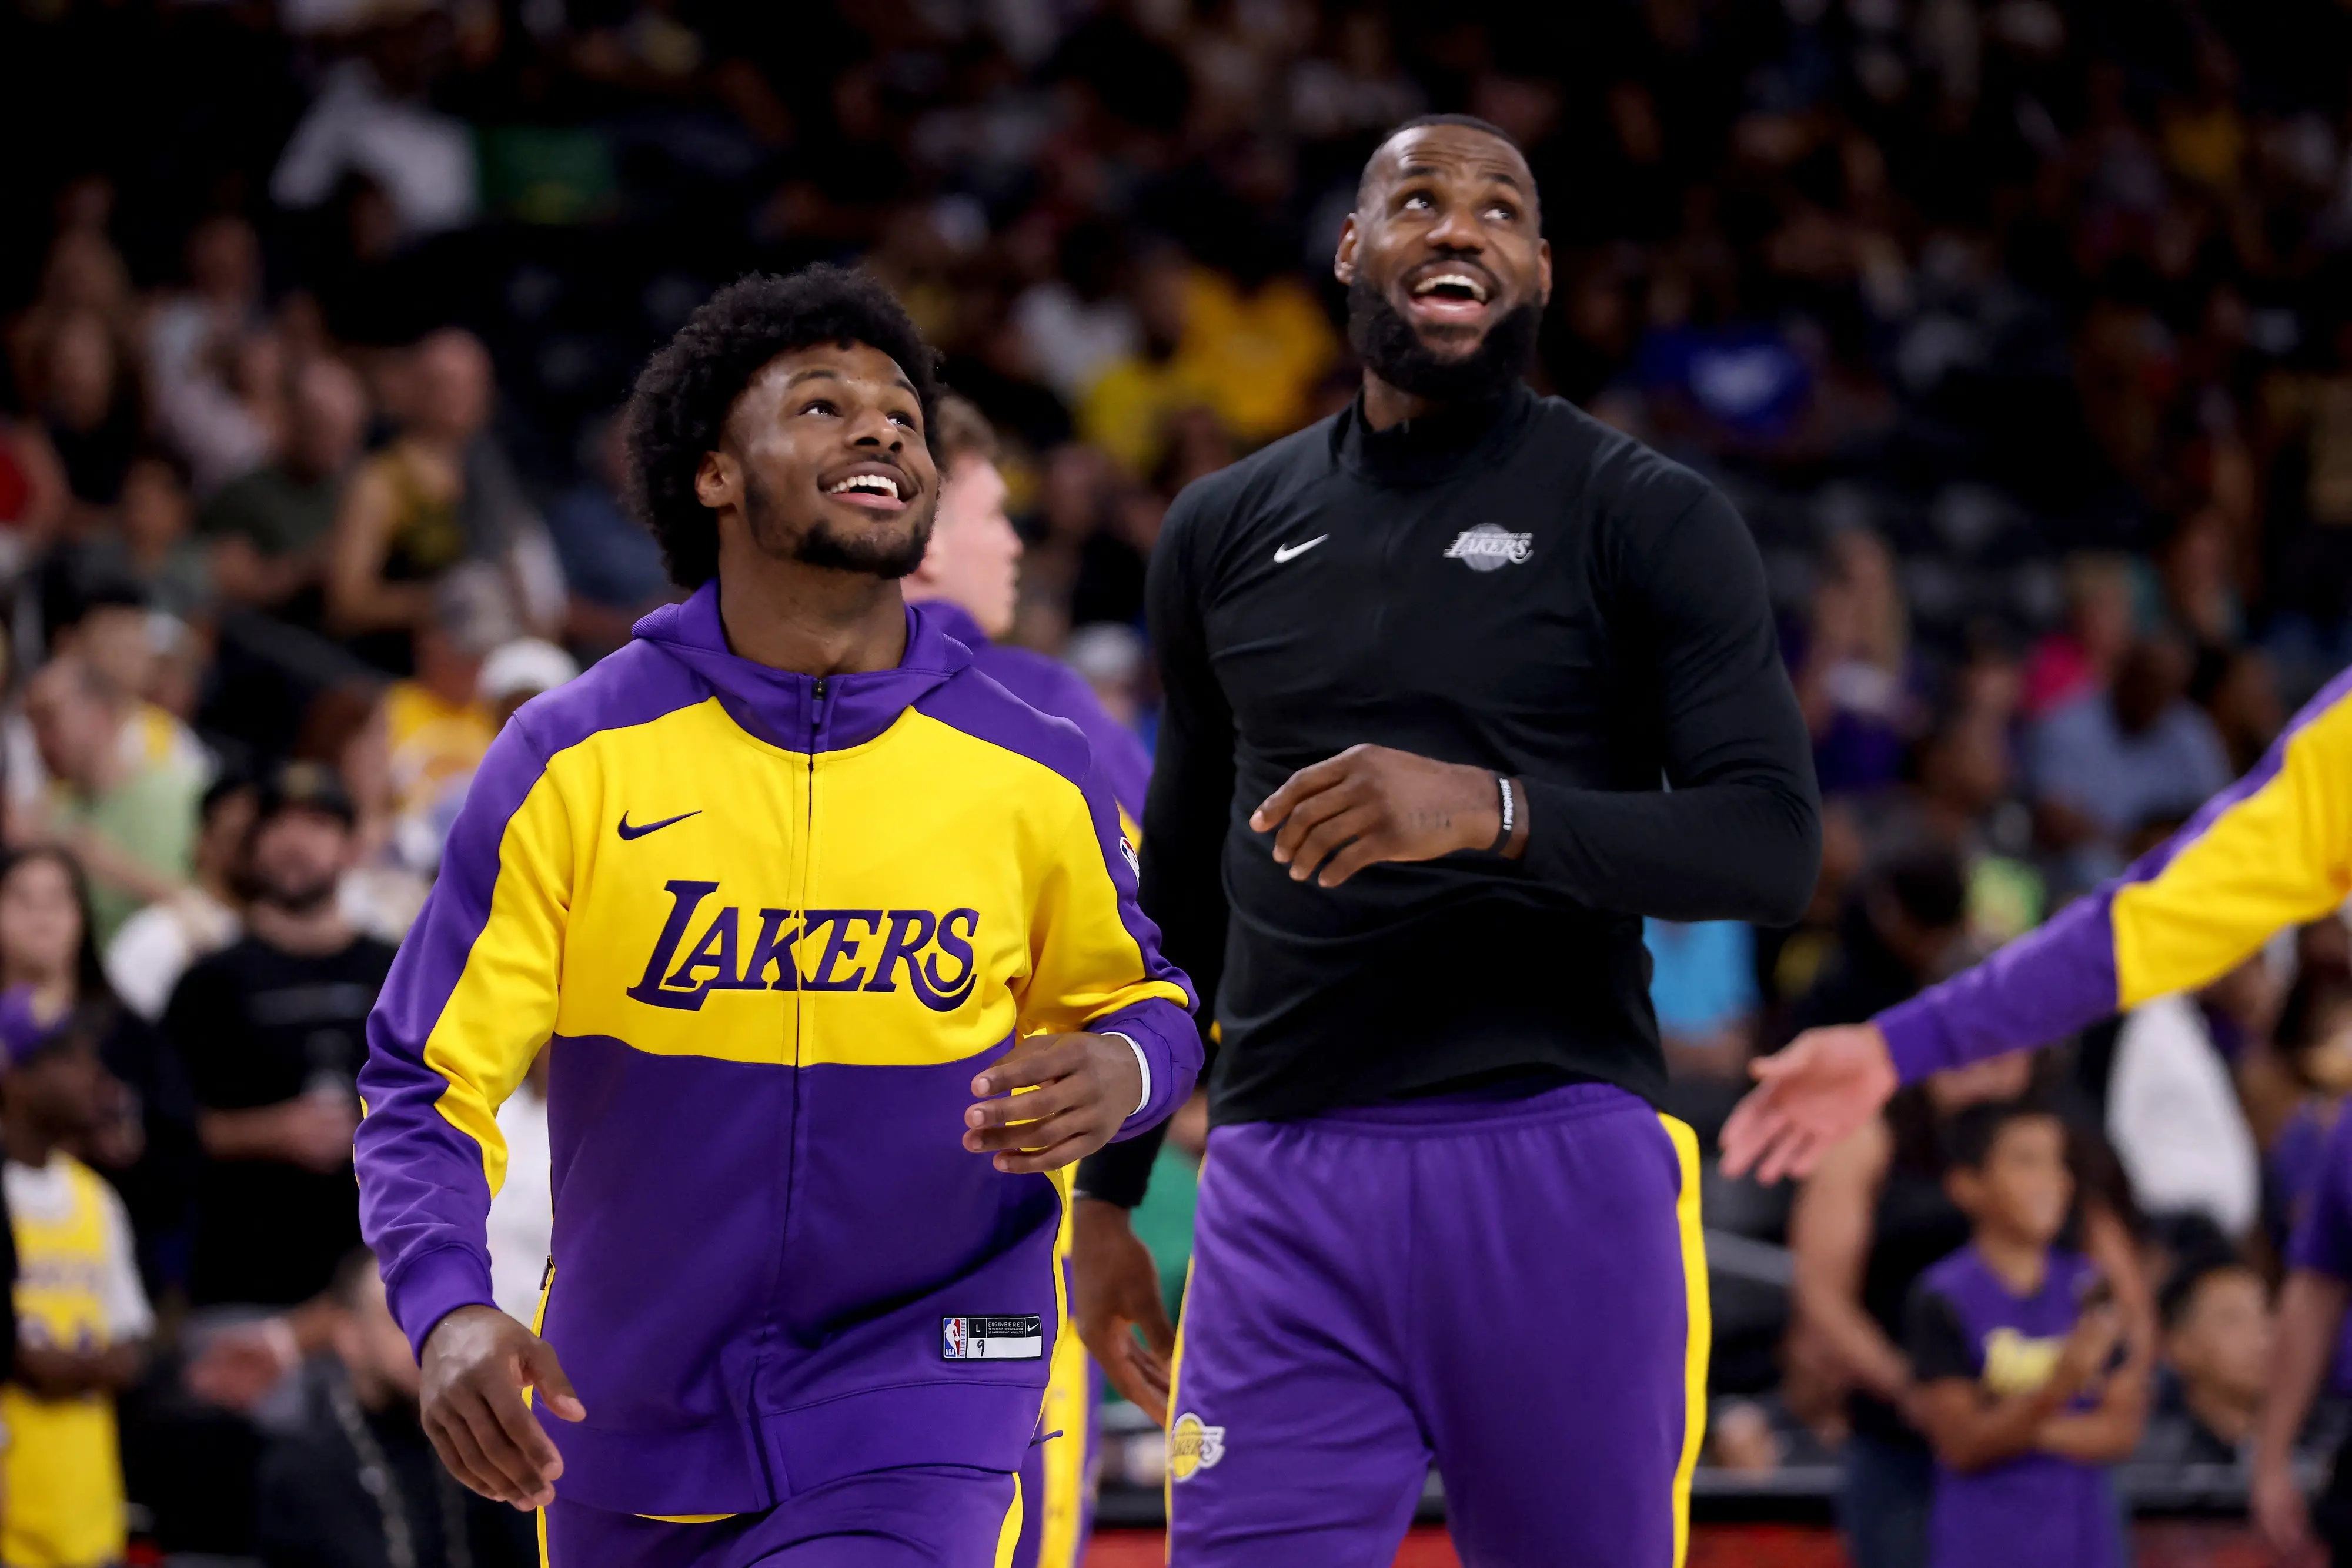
{"x":1252,"y":360}
{"x":436,"y":725}
{"x":82,"y":1319}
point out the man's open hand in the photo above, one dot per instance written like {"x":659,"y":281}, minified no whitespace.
{"x":1809,"y":1095}
{"x":1081,"y":1088}
{"x":1371,"y":804}
{"x":478,"y":1362}
{"x":1114,"y":1291}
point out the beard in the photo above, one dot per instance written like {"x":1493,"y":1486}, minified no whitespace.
{"x":880,"y":555}
{"x":291,"y":897}
{"x":1394,"y":351}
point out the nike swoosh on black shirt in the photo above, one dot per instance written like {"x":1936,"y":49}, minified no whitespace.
{"x":640,"y":831}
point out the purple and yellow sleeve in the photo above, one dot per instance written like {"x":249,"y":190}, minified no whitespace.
{"x":1096,"y":963}
{"x":470,"y":1002}
{"x":2273,"y":850}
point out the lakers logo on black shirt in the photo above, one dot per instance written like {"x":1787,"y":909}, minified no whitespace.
{"x":1490,"y":546}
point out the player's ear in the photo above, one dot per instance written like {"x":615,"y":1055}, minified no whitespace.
{"x":1543,"y":272}
{"x":718,"y":480}
{"x":1343,"y":260}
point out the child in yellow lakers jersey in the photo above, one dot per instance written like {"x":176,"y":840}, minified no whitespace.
{"x":82,"y":1321}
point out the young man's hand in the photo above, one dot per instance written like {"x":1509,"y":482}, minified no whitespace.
{"x":1081,"y":1088}
{"x":1115,"y":1290}
{"x":1372,"y":803}
{"x":478,"y":1362}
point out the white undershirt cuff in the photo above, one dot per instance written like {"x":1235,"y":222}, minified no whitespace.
{"x":1142,"y":1065}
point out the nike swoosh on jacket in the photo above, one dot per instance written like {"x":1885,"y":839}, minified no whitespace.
{"x":630,"y":832}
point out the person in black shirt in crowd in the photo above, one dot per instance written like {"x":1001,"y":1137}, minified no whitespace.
{"x":272,"y":1029}
{"x":1865,"y":1226}
{"x":1876,"y":1215}
{"x":1428,"y":664}
{"x":355,"y":1483}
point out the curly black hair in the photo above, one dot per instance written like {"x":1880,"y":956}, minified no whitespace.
{"x":679,"y":405}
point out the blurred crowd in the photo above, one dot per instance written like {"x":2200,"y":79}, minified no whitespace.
{"x":2017,"y":330}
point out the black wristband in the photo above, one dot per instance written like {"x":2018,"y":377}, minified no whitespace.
{"x":1510,"y":816}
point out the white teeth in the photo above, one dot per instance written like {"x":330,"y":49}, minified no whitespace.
{"x":1458,"y":280}
{"x":881,"y":485}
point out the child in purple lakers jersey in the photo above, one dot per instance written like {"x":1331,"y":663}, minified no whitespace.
{"x":2012,"y":1339}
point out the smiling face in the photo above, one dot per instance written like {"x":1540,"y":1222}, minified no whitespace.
{"x":1446,"y":267}
{"x":823,"y":462}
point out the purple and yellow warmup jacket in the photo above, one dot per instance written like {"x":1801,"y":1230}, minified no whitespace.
{"x":772,"y":925}
{"x":1049,"y":686}
{"x":2271,"y":851}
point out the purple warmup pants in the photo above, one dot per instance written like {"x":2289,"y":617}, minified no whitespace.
{"x":925,"y":1516}
{"x":1512,"y":1288}
{"x":1058,"y":1477}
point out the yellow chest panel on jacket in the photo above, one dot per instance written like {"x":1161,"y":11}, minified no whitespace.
{"x":867,"y":905}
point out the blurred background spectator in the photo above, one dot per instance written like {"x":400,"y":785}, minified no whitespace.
{"x":350,"y":1478}
{"x":2219,"y":1332}
{"x":82,"y":1318}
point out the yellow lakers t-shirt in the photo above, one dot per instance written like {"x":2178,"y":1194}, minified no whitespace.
{"x":76,"y":1284}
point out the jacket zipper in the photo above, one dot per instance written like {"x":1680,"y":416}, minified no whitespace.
{"x":800,"y":1017}
{"x":808,"y":841}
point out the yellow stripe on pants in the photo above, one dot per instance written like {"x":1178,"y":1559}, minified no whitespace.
{"x":1008,"y":1539}
{"x":1700,"y":1326}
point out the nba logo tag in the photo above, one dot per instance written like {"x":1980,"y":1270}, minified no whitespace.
{"x":993,"y":1339}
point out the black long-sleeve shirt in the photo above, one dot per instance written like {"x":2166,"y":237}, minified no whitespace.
{"x":1512,"y":585}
